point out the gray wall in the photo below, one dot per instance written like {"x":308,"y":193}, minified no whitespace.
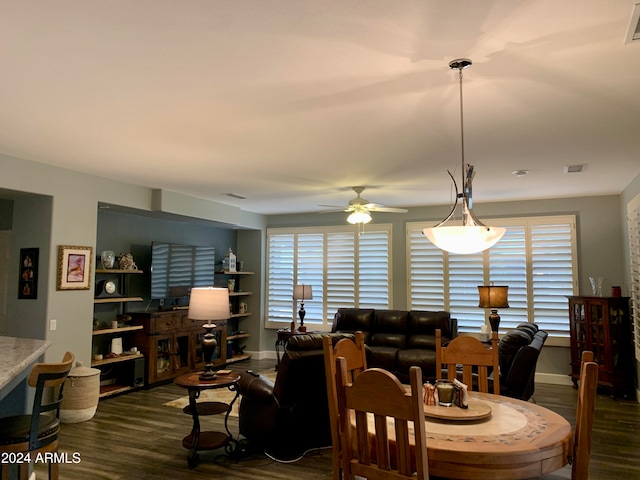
{"x":32,"y":229}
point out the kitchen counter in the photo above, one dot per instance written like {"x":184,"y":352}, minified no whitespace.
{"x":16,"y":356}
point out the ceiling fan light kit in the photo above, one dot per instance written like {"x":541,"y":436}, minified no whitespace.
{"x":360,"y":209}
{"x":472,"y":236}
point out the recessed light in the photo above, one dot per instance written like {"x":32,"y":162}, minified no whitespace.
{"x":520,"y":173}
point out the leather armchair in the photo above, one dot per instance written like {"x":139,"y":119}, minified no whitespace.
{"x":291,"y":416}
{"x":519,"y":350}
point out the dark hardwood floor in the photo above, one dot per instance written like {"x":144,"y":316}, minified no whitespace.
{"x":135,"y":436}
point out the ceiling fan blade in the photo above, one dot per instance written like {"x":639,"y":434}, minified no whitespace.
{"x":388,"y":209}
{"x":338,"y":210}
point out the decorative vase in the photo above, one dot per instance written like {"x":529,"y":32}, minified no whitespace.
{"x":108,"y":259}
{"x":596,"y":286}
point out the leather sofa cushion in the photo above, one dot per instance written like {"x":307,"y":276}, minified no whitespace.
{"x":390,"y":328}
{"x":354,"y":319}
{"x":422,"y":326}
{"x":509,"y":346}
{"x":425,"y":359}
{"x":383,"y":357}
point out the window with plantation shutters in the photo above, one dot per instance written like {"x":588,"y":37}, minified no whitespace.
{"x":344,"y":269}
{"x":536,"y":258}
{"x":633,"y":219}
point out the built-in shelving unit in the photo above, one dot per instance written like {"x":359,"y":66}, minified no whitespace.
{"x":125,"y":371}
{"x":235,"y":349}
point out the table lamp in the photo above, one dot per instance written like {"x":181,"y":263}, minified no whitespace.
{"x":493,"y":297}
{"x":302,"y":292}
{"x":208,"y":304}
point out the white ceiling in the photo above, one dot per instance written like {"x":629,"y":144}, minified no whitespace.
{"x":290,"y":103}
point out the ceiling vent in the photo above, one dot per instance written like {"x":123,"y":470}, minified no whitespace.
{"x":633,"y":34}
{"x":235,"y":195}
{"x":574,"y":168}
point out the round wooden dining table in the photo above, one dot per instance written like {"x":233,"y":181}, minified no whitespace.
{"x":515,"y":440}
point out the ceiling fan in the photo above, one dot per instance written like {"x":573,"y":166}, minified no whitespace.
{"x":360,"y":208}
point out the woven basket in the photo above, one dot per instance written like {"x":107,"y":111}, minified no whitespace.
{"x":80,"y":395}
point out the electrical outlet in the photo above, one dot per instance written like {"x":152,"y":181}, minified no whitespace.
{"x":53,"y":324}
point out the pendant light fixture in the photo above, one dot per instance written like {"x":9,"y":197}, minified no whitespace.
{"x":473,"y":236}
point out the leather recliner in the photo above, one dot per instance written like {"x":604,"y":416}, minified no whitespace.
{"x":519,"y":350}
{"x":291,"y":416}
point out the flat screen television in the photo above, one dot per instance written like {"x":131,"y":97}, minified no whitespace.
{"x":176,"y":269}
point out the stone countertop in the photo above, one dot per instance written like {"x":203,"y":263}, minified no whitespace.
{"x":17,"y":354}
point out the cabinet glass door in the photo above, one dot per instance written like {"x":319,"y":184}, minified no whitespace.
{"x":163,"y":357}
{"x":182,"y":353}
{"x":596,"y":315}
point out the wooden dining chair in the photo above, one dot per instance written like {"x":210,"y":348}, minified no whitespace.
{"x":372,"y":452}
{"x":584,"y":417}
{"x":354,"y":354}
{"x":38,"y":432}
{"x":473,"y":356}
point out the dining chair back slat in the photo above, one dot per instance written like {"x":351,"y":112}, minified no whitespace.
{"x":473,"y":357}
{"x":354,"y":354}
{"x":378,"y":393}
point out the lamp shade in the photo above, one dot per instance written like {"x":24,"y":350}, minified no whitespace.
{"x":302,"y":292}
{"x":464,"y":239}
{"x":493,"y":296}
{"x":209,"y":303}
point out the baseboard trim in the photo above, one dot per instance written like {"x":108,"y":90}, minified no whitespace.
{"x":553,"y":379}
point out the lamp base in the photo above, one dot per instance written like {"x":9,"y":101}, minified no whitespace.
{"x":208,"y":373}
{"x":494,"y":320}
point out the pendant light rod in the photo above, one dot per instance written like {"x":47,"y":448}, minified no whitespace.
{"x":460,"y":64}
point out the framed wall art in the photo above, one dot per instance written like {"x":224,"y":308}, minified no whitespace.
{"x":28,"y":281}
{"x":74,"y":267}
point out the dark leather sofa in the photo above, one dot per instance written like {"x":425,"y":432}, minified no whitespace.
{"x":289,"y":417}
{"x":398,"y":339}
{"x":519,"y":350}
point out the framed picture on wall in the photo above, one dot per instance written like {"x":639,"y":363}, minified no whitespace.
{"x":28,"y":282}
{"x":74,"y":267}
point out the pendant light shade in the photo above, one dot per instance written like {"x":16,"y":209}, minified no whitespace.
{"x":464,"y":240}
{"x":472,"y":236}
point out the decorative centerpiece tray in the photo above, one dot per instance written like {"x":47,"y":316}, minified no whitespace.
{"x":477,"y":410}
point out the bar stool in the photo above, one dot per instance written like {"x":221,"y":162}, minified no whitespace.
{"x":36,"y":433}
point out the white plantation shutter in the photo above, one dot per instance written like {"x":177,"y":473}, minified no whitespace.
{"x":633,"y":219}
{"x":310,"y":270}
{"x":344,"y":269}
{"x":427,"y":279}
{"x":536,"y":258}
{"x":553,"y":274}
{"x":341,"y":271}
{"x":373,"y":270}
{"x":465,"y":274}
{"x":280,"y":277}
{"x":508,"y":266}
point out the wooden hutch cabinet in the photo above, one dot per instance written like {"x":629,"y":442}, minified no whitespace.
{"x":171,"y":342}
{"x":603,"y":325}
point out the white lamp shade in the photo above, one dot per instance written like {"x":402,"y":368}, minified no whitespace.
{"x":209,"y":303}
{"x":464,"y":239}
{"x":302,"y":292}
{"x":359,"y":216}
